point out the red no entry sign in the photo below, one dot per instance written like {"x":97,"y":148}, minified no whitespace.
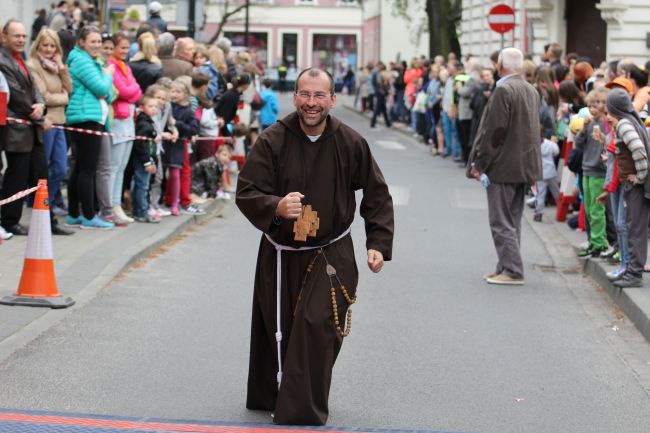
{"x":501,"y":18}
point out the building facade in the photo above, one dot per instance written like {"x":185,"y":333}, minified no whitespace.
{"x":599,"y":29}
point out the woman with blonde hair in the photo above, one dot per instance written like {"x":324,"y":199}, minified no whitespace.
{"x":145,"y":64}
{"x":52,"y":79}
{"x":218,"y":59}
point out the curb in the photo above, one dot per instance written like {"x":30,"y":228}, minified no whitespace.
{"x":114,"y":268}
{"x":630,"y":301}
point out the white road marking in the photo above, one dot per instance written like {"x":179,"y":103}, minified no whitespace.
{"x":390,"y":145}
{"x":400,"y":194}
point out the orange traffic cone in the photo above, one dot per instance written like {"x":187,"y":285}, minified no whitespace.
{"x":37,"y":287}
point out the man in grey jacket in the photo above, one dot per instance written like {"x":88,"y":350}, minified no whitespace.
{"x":506,"y":157}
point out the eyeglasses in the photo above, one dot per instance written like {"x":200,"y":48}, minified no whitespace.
{"x":319,"y":96}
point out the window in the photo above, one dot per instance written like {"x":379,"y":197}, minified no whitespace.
{"x":347,"y":3}
{"x":290,"y":48}
{"x":306,"y":2}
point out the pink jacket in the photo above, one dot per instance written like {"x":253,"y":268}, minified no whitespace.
{"x":128,"y":89}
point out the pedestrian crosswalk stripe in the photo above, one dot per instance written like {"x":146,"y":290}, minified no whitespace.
{"x":390,"y":145}
{"x":400,"y":194}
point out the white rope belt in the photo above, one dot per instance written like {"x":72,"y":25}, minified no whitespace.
{"x":278,"y":282}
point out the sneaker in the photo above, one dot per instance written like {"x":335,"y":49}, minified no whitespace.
{"x":596,"y":252}
{"x":163,"y":212}
{"x":121,"y":215}
{"x":505,"y":280}
{"x":175,"y":211}
{"x":608,"y":253}
{"x":223,"y":195}
{"x":5,"y":235}
{"x":537,"y":217}
{"x":585,"y":252}
{"x":59,"y":211}
{"x":531,"y":202}
{"x":192,"y":210}
{"x":629,"y":281}
{"x":95,"y":224}
{"x":490,"y":275}
{"x":153,"y":216}
{"x":146,"y":219}
{"x":71,"y":221}
{"x":615,"y":274}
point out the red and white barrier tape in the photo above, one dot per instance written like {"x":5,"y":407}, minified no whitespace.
{"x":108,"y":134}
{"x":18,"y":196}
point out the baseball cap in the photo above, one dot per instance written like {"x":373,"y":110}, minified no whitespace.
{"x":621,"y":82}
{"x":155,"y":7}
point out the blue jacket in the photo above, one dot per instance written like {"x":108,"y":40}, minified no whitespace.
{"x":269,"y":112}
{"x":213,"y":87}
{"x":89,"y":83}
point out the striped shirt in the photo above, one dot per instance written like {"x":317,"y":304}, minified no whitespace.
{"x":626,"y":131}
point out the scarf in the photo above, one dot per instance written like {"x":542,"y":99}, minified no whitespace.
{"x":122,"y":65}
{"x":48,"y":64}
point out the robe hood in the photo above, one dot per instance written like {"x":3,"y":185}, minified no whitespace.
{"x":292,"y":123}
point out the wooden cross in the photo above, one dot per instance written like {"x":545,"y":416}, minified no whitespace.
{"x":306,"y":225}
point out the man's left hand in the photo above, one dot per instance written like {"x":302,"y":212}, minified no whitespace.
{"x":375,"y":260}
{"x":37,"y":111}
{"x":475,"y":173}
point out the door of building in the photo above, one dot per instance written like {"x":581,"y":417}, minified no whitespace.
{"x":586,"y":31}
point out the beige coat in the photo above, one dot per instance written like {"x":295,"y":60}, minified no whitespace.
{"x":55,"y":88}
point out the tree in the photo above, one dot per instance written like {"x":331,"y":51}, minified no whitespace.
{"x":225,"y":17}
{"x":441,"y":20}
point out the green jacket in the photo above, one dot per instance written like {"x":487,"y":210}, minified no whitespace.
{"x":89,"y":84}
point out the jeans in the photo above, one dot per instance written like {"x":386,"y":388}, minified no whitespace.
{"x":379,"y":108}
{"x":120,"y":154}
{"x":452,"y":142}
{"x":56,"y":153}
{"x":139,"y":191}
{"x":620,"y":220}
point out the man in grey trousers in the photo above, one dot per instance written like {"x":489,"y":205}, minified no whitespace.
{"x":507,"y":151}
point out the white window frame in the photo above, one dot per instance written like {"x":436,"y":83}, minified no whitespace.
{"x":306,"y":2}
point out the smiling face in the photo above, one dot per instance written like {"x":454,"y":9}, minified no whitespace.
{"x":92,"y":44}
{"x":107,"y":49}
{"x":121,"y":49}
{"x":313,"y":101}
{"x":15,"y":38}
{"x":47,"y":48}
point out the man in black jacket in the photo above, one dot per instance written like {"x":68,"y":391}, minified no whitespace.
{"x":22,"y":143}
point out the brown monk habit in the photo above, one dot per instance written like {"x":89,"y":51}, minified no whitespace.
{"x":327,"y":172}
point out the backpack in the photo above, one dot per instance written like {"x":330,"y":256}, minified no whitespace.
{"x":257,"y":102}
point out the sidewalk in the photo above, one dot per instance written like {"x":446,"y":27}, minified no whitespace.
{"x":84,"y":264}
{"x":560,"y":240}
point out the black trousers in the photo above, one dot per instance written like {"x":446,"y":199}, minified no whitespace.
{"x":379,"y":108}
{"x":23,"y":171}
{"x":81,"y":188}
{"x":464,"y":132}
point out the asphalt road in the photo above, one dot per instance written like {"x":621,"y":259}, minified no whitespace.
{"x":433,"y":347}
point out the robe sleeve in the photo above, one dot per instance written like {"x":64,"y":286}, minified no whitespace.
{"x":255,"y":196}
{"x":377,"y":205}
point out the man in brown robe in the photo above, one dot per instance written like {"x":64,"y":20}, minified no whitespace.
{"x":307,"y":158}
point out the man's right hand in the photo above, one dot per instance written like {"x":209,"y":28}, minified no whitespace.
{"x":290,"y":207}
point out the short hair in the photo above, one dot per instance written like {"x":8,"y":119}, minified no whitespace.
{"x":45,"y":33}
{"x":165,"y":44}
{"x":224,"y":146}
{"x":224,"y":44}
{"x":146,"y":28}
{"x":315,"y":72}
{"x":268,"y":83}
{"x":556,"y":50}
{"x":9,"y":22}
{"x":200,"y":79}
{"x":240,"y":130}
{"x":182,"y":43}
{"x":511,"y":58}
{"x":591,"y":96}
{"x":155,"y":88}
{"x":146,"y":97}
{"x":165,"y":82}
{"x":241,"y":79}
